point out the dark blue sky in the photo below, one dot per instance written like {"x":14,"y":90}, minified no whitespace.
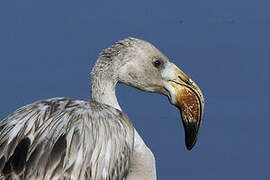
{"x":47,"y":49}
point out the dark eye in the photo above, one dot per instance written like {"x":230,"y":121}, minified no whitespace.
{"x":157,"y":63}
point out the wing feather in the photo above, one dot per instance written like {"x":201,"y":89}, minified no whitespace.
{"x":64,"y":138}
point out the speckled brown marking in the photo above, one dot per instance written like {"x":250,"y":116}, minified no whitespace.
{"x":189,"y":104}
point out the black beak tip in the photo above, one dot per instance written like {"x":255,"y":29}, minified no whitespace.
{"x":191,"y":134}
{"x":189,"y":146}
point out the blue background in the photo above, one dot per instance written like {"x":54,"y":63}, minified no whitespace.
{"x":47,"y":49}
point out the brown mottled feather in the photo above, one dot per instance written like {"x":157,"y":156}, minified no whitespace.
{"x":64,"y":138}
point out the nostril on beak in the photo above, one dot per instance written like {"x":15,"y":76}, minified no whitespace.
{"x":185,"y":81}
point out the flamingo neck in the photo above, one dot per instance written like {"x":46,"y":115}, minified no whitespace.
{"x":142,"y":161}
{"x":103,"y":90}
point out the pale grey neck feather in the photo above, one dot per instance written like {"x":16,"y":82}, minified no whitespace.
{"x":104,"y":79}
{"x":103,"y":91}
{"x":105,"y":72}
{"x":142,"y":162}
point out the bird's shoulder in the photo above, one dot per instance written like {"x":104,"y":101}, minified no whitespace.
{"x":54,"y":137}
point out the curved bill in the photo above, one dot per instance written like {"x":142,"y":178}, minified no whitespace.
{"x":188,"y":98}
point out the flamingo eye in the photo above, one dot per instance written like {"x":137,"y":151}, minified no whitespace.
{"x":157,"y":63}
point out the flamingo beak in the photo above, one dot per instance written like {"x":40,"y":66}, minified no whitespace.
{"x":188,"y":98}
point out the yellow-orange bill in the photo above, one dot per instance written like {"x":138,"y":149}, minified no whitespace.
{"x":187,"y":97}
{"x":190,"y":102}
